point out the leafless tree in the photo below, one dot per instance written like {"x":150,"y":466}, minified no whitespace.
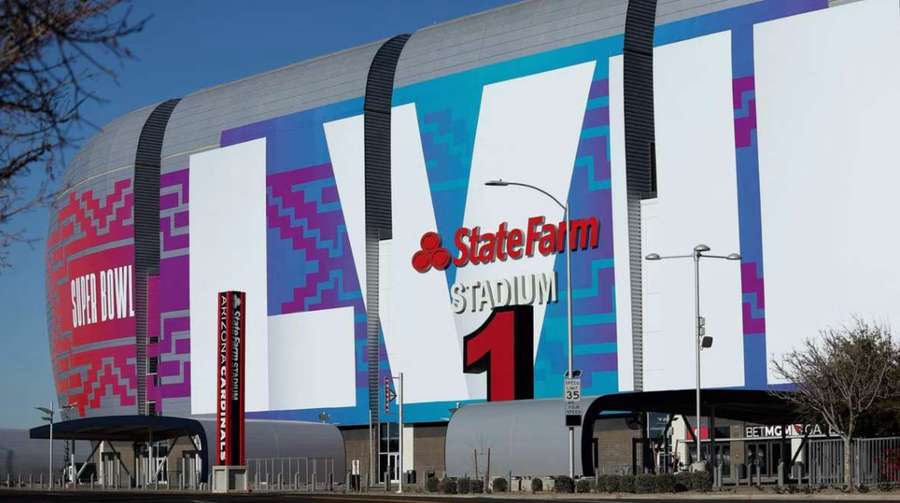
{"x":52,"y":51}
{"x":842,"y":377}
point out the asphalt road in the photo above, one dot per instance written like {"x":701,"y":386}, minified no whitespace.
{"x":174,"y":497}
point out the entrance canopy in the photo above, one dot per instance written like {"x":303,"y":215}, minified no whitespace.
{"x":128,"y":429}
{"x":122,"y":428}
{"x":753,"y":406}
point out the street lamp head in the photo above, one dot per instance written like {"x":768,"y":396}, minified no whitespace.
{"x":496,"y":183}
{"x":701,"y":248}
{"x":653,"y":256}
{"x":734,"y":256}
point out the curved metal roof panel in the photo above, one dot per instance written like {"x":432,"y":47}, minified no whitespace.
{"x":200,"y":117}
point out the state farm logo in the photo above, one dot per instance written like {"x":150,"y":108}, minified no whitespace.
{"x":431,"y":255}
{"x":475,"y":247}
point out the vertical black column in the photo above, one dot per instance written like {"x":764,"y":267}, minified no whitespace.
{"x":377,"y":145}
{"x":637,"y":78}
{"x":146,"y":229}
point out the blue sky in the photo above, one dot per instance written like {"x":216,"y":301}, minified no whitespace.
{"x":186,"y":46}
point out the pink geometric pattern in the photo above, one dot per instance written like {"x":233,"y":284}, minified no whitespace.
{"x":93,"y":364}
{"x":169,"y":295}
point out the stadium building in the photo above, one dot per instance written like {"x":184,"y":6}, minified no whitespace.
{"x":346,"y":195}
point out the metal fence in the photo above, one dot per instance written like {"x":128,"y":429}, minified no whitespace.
{"x":875,"y":460}
{"x":291,"y":474}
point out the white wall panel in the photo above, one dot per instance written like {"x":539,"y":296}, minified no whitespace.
{"x":696,"y":203}
{"x":346,"y":148}
{"x":624,"y":340}
{"x":419,"y":332}
{"x":228,"y":252}
{"x":828,"y":103}
{"x":311,"y":360}
{"x":528,"y":131}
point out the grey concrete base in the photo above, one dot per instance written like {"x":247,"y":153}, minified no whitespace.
{"x":227,"y":479}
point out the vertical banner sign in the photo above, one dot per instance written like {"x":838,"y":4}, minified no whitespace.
{"x":230,"y":378}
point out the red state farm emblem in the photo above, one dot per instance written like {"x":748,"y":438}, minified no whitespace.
{"x":431,"y":255}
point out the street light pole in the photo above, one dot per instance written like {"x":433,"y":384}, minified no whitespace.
{"x":699,"y":337}
{"x":697,"y":252}
{"x":569,"y":338}
{"x":50,"y":467}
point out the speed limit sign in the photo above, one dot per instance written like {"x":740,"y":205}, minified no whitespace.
{"x":573,"y":401}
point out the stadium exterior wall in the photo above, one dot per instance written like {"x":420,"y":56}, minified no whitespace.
{"x":532,"y":92}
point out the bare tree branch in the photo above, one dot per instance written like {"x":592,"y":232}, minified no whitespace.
{"x":842,"y":377}
{"x":50,"y":54}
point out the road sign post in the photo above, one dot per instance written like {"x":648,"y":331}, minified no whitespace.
{"x":573,"y":401}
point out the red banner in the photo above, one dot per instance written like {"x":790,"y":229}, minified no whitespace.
{"x":230,"y":378}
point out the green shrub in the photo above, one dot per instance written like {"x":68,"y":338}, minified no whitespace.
{"x":665,"y":483}
{"x":499,"y":485}
{"x":645,"y":483}
{"x":563,"y":484}
{"x":626,"y":484}
{"x":885,"y":486}
{"x":476,"y":486}
{"x":682,"y":482}
{"x":537,"y":485}
{"x":431,"y":484}
{"x":614,"y":483}
{"x":447,"y":486}
{"x":463,"y":485}
{"x":583,"y":485}
{"x":701,"y":481}
{"x":601,"y":483}
{"x":863,"y":488}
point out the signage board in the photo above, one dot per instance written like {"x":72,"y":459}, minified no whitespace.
{"x":230,"y":378}
{"x":572,"y":388}
{"x":389,"y":395}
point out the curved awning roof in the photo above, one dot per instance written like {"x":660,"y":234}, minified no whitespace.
{"x":121,"y":428}
{"x":752,"y":406}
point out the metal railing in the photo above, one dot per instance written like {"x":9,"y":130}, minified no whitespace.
{"x":875,"y":460}
{"x":291,"y":474}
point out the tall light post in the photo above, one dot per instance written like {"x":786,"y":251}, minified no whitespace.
{"x":701,"y":339}
{"x":49,"y":417}
{"x":49,"y":414}
{"x":565,"y":208}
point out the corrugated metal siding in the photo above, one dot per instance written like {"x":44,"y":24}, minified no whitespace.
{"x":112,"y":150}
{"x":146,"y":230}
{"x":200,"y":118}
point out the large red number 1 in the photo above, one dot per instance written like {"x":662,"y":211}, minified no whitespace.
{"x":503,"y":346}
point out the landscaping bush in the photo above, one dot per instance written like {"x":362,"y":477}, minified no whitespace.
{"x":645,"y":483}
{"x":476,"y":486}
{"x":863,"y":488}
{"x":563,"y":484}
{"x":499,"y":485}
{"x":463,"y":485}
{"x":626,"y":484}
{"x":537,"y":485}
{"x":682,"y":482}
{"x":583,"y":485}
{"x":885,"y":486}
{"x":701,"y":481}
{"x":447,"y":486}
{"x":614,"y":483}
{"x":431,"y":484}
{"x":665,"y":483}
{"x":601,"y":484}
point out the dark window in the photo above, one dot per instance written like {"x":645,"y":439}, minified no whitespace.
{"x":153,"y":365}
{"x":653,"y":186}
{"x":151,"y":408}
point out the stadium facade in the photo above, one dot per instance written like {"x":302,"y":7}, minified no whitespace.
{"x":346,"y":196}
